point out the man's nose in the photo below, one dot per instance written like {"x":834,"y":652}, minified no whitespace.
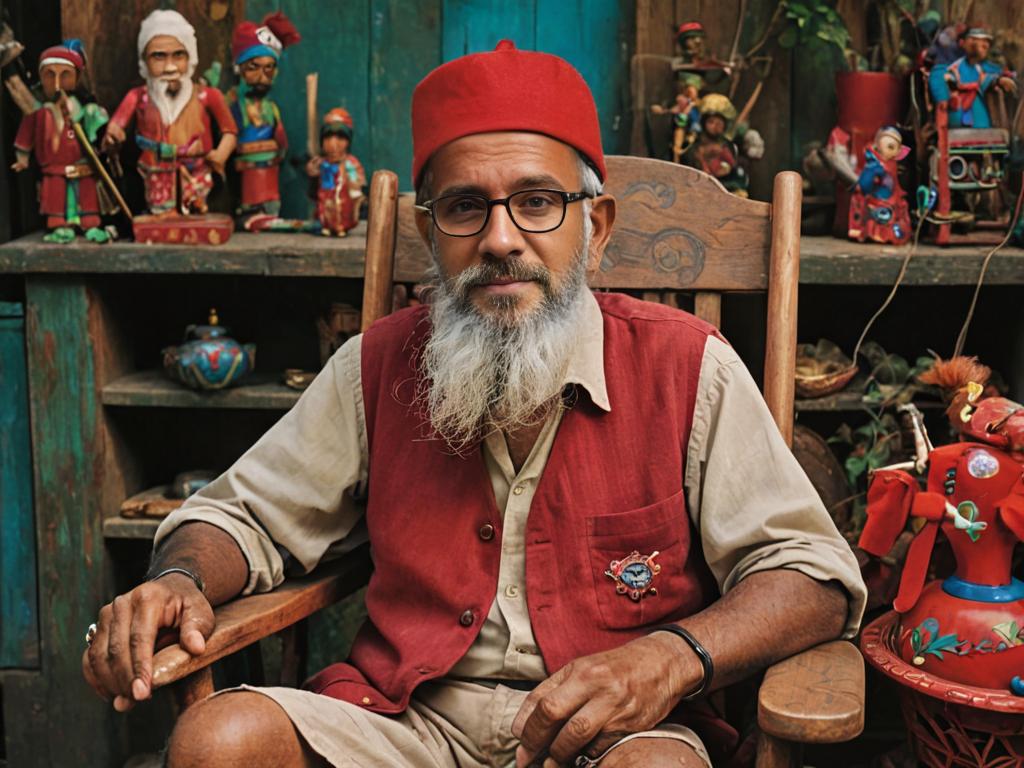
{"x":501,"y":238}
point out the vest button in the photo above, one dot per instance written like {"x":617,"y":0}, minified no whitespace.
{"x":466,"y":619}
{"x":486,"y":532}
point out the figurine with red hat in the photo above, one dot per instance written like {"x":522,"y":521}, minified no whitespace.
{"x":691,"y":39}
{"x":68,"y":193}
{"x":339,"y":175}
{"x":262,"y":142}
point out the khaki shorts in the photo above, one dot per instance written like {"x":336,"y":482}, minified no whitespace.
{"x":448,"y":724}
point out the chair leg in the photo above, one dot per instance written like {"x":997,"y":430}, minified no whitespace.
{"x":773,"y":752}
{"x":193,"y":688}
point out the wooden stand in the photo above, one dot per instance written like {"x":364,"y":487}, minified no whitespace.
{"x":201,"y":229}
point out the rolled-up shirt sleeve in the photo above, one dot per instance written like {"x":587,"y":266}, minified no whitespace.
{"x":293,"y":499}
{"x":754,"y":506}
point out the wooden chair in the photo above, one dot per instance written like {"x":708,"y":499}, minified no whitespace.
{"x":677,"y":229}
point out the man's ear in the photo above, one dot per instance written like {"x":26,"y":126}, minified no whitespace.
{"x":602,"y":218}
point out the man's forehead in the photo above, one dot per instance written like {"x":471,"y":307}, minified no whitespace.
{"x":507,"y":157}
{"x":165,"y":43}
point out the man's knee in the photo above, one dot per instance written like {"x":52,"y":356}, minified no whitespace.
{"x":237,"y":728}
{"x":654,"y":753}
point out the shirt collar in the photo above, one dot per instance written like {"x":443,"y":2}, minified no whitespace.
{"x":586,"y":366}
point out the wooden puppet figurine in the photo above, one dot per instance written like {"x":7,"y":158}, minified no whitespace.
{"x":685,"y":114}
{"x":68,"y":193}
{"x":878,"y":204}
{"x":339,"y":175}
{"x":715,"y":151}
{"x":964,"y":82}
{"x":262,"y":142}
{"x":174,"y":119}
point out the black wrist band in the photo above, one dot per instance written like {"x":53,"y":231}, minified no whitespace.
{"x":702,"y":653}
{"x":194,"y":576}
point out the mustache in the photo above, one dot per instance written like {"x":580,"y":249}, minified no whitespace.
{"x":488,"y":272}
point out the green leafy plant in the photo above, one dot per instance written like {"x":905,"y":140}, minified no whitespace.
{"x":809,"y":21}
{"x":892,"y":380}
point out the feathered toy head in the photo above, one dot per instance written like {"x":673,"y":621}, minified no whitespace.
{"x":267,"y":39}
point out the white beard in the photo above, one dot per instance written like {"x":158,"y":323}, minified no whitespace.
{"x":169,"y":106}
{"x":481,"y":373}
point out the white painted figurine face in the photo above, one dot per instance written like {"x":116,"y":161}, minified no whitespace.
{"x":888,"y":147}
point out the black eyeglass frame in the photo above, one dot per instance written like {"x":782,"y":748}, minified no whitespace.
{"x":567,"y":198}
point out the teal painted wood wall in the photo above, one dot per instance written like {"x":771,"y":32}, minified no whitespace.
{"x":19,"y":628}
{"x":371,"y":53}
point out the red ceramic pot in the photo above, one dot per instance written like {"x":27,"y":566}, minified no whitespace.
{"x":867,"y":101}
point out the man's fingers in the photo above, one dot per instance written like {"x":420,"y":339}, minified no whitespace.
{"x":119,"y":657}
{"x":530,"y":702}
{"x":147,"y":619}
{"x":548,"y":717}
{"x":579,"y":730}
{"x":100,"y":675}
{"x":196,"y":625}
{"x":91,"y":679}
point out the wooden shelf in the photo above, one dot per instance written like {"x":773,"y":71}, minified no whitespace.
{"x":849,"y":401}
{"x":152,"y":389}
{"x":267,"y":254}
{"x":143,"y":528}
{"x":832,"y":261}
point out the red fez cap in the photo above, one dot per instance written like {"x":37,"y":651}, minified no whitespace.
{"x":690,"y":28}
{"x":62,"y":54}
{"x":504,"y":90}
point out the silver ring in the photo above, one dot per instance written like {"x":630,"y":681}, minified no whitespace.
{"x":90,"y":634}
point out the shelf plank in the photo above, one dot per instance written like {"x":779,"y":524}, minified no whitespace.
{"x":268,"y":254}
{"x":850,"y":401}
{"x":140,"y":528}
{"x":152,"y":389}
{"x":832,"y":261}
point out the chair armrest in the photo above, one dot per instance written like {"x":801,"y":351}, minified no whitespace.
{"x":246,"y":620}
{"x":816,"y":696}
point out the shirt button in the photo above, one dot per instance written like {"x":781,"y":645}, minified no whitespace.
{"x":466,"y":619}
{"x":511,"y":591}
{"x":486,"y":532}
{"x":518,"y":490}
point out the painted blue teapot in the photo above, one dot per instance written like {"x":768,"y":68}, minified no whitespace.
{"x":209,"y":358}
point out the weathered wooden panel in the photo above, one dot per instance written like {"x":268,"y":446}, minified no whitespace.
{"x":405,"y":46}
{"x":471,"y":26}
{"x":74,"y":485}
{"x":19,"y":632}
{"x":675,"y":228}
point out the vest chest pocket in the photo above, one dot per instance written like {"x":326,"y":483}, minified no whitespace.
{"x":632,"y":588}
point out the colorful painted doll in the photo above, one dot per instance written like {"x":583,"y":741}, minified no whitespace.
{"x":339,"y":176}
{"x":715,"y":152}
{"x":964,"y":82}
{"x":685,"y":115}
{"x":262,"y":142}
{"x":968,"y":628}
{"x":53,"y":134}
{"x":174,"y":119}
{"x":878,"y":204}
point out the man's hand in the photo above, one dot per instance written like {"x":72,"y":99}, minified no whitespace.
{"x":21,"y":164}
{"x":114,"y":136}
{"x":594,"y":701}
{"x":313,"y":166}
{"x":119,"y":662}
{"x":1008,"y":84}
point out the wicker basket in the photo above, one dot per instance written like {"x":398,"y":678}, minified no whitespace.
{"x":950,"y":725}
{"x":824,"y":383}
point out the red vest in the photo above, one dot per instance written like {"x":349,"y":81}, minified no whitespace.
{"x":613,"y":484}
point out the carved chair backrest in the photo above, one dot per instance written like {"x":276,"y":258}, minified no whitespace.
{"x":678,"y":229}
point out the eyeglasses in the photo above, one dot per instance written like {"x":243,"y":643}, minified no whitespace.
{"x":532,"y":210}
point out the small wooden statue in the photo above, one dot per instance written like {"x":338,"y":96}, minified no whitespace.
{"x":963,"y":83}
{"x":262,"y":141}
{"x":878,"y":204}
{"x":56,"y":134}
{"x":685,"y":114}
{"x":716,"y":152}
{"x":339,"y":176}
{"x":174,"y":119}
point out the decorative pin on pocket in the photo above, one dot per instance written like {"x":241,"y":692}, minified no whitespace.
{"x":634,"y":575}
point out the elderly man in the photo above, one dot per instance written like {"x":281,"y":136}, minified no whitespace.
{"x":174,"y":118}
{"x":581,"y":514}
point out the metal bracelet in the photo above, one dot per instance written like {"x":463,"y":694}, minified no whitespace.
{"x":702,"y":653}
{"x":192,"y":575}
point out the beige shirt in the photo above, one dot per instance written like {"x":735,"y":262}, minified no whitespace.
{"x":295,"y":497}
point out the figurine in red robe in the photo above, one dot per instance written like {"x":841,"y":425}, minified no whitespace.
{"x":174,"y":119}
{"x":878,"y":204}
{"x":67,"y":194}
{"x":339,"y":174}
{"x":262,"y":141}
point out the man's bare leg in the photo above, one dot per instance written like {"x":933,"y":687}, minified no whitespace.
{"x":654,"y":753}
{"x":235,"y":729}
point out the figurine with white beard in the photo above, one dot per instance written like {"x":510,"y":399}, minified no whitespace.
{"x":174,"y":119}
